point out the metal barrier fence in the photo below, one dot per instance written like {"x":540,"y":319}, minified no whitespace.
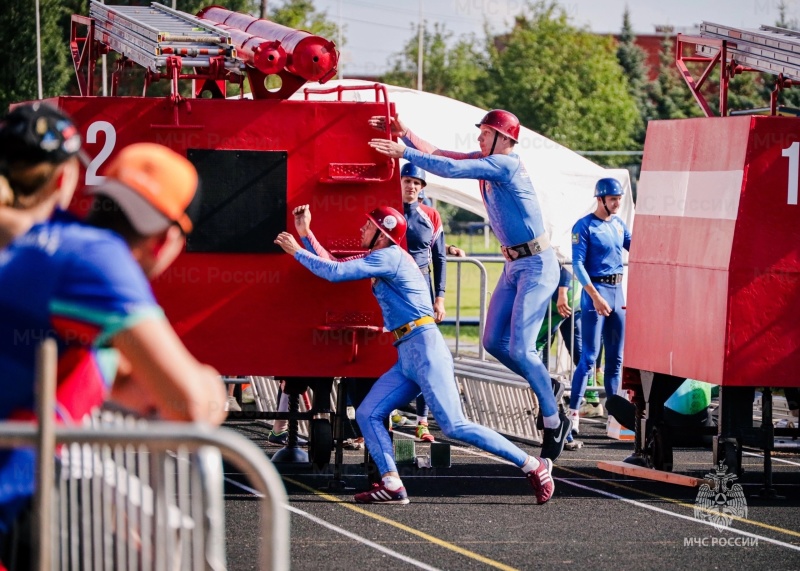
{"x":493,"y":396}
{"x":125,"y":494}
{"x":561,"y":365}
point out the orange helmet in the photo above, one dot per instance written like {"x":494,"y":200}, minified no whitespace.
{"x":504,"y":122}
{"x":390,"y":222}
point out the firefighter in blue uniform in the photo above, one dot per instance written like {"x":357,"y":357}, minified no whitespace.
{"x":597,"y":242}
{"x":424,"y":361}
{"x":530,"y":276}
{"x":425,"y":240}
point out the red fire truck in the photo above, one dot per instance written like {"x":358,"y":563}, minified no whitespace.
{"x":713,"y":290}
{"x":235,"y":299}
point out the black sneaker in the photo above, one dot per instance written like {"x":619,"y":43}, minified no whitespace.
{"x":555,"y":438}
{"x":558,"y":393}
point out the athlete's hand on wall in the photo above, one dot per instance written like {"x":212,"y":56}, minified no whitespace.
{"x":387,"y":147}
{"x":379,"y":122}
{"x":302,"y":220}
{"x":287,"y":243}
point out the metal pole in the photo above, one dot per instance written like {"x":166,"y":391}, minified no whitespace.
{"x":39,"y":52}
{"x":339,"y":38}
{"x":46,"y":359}
{"x":104,"y":69}
{"x":419,"y":48}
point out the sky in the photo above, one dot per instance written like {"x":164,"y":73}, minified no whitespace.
{"x":376,"y":29}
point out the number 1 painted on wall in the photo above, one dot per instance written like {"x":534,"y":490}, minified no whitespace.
{"x":793,"y":153}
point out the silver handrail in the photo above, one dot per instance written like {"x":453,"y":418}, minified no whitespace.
{"x":481,"y":303}
{"x":163,"y":436}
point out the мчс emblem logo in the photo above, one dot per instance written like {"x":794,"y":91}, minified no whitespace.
{"x":720,"y":504}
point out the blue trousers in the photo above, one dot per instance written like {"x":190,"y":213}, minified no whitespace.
{"x":424,"y":364}
{"x":612,"y":331}
{"x":516,"y":313}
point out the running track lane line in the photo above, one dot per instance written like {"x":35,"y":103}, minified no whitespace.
{"x":425,"y":536}
{"x":681,"y":516}
{"x":688,"y":506}
{"x":341,"y":531}
{"x":652,"y":495}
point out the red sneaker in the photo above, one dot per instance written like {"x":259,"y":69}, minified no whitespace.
{"x":380,"y":495}
{"x":541,"y":480}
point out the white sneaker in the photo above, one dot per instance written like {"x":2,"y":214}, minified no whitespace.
{"x":592,"y":410}
{"x":247,"y":396}
{"x":231,"y":405}
{"x":576,"y":419}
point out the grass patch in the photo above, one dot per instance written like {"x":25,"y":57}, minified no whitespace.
{"x":467,"y":334}
{"x":470,"y":287}
{"x":474,"y":244}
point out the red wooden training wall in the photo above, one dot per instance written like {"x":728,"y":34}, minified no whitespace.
{"x":260,"y":314}
{"x":714,"y":283}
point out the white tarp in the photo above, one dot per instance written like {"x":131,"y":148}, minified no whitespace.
{"x":563,"y":180}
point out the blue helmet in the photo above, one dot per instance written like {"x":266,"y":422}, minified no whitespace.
{"x":414,"y":172}
{"x":608,"y":187}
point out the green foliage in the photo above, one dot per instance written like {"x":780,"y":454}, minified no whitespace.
{"x":455,"y":72}
{"x":632,"y":59}
{"x":563,"y":82}
{"x":671,"y":95}
{"x":18,"y":76}
{"x":301,"y":15}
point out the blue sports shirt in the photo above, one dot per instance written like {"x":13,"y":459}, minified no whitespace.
{"x":79,"y":285}
{"x":398,"y":285}
{"x":506,"y":187}
{"x":597,"y":247}
{"x":425,"y":239}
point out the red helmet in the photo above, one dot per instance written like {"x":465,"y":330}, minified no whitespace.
{"x":504,"y":122}
{"x":390,"y":222}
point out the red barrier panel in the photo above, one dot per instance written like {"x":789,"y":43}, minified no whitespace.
{"x":714,"y":265}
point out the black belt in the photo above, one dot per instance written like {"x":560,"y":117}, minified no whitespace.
{"x":613,"y":279}
{"x":532,"y":248}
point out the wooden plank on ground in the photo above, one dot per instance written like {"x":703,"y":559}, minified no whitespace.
{"x":634,"y":471}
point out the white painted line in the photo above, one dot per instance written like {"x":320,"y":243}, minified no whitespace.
{"x":364,"y":540}
{"x":680,"y":516}
{"x":573,"y":482}
{"x":323,"y":523}
{"x":774,"y":459}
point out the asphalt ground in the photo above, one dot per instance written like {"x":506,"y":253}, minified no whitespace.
{"x":480,"y":514}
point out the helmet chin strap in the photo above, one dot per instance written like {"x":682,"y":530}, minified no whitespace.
{"x":606,"y":206}
{"x":374,"y":239}
{"x":494,"y":142}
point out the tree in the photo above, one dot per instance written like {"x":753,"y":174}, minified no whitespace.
{"x":671,"y":96}
{"x":301,"y":15}
{"x":632,"y":59}
{"x":455,"y":71}
{"x":563,"y":82}
{"x":18,"y":75}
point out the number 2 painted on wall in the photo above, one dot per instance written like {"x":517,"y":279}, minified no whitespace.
{"x":793,"y":153}
{"x":92,"y":178}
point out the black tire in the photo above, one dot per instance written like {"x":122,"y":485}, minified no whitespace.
{"x":320,"y":444}
{"x":661,"y":447}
